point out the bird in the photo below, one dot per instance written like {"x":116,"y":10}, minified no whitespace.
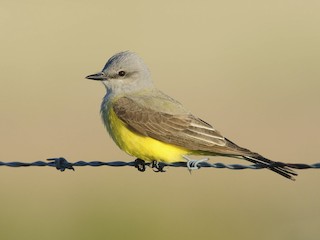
{"x":153,"y":127}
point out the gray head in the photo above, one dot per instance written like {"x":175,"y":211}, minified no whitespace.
{"x":124,"y":72}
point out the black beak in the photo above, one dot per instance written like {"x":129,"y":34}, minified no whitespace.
{"x":100,"y":76}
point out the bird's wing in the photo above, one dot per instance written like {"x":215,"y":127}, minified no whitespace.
{"x":181,"y":129}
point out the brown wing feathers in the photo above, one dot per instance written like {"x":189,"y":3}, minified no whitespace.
{"x":183,"y":130}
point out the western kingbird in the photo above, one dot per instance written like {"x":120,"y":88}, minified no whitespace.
{"x":150,"y":125}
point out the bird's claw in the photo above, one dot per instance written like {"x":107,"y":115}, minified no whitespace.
{"x":140,"y":165}
{"x":157,"y":166}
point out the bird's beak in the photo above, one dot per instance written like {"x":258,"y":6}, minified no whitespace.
{"x":100,"y":76}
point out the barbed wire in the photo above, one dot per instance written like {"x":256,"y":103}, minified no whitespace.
{"x":62,"y":164}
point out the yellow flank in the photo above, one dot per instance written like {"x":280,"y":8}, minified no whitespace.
{"x":142,"y":147}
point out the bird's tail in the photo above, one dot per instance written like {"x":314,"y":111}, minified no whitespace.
{"x":277,"y":167}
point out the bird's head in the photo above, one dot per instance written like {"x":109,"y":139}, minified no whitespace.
{"x":124,"y":72}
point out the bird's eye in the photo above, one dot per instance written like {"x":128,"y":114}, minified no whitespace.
{"x":121,"y":73}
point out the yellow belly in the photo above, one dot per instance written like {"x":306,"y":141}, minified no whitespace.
{"x":142,"y":147}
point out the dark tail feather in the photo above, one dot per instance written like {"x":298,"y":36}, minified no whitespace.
{"x":277,"y":167}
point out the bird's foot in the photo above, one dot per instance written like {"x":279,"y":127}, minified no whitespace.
{"x":157,"y":166}
{"x":193,"y":164}
{"x":140,"y":165}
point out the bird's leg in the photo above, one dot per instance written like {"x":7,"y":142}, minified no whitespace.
{"x":140,"y":164}
{"x":157,"y":166}
{"x":192,"y":164}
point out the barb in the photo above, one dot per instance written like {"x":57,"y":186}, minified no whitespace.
{"x":62,"y":164}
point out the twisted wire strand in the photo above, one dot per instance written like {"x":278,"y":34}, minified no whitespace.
{"x":62,"y":164}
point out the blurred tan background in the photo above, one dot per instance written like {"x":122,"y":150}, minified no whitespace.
{"x":251,"y":68}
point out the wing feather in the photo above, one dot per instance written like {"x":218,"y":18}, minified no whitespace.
{"x":183,"y":130}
